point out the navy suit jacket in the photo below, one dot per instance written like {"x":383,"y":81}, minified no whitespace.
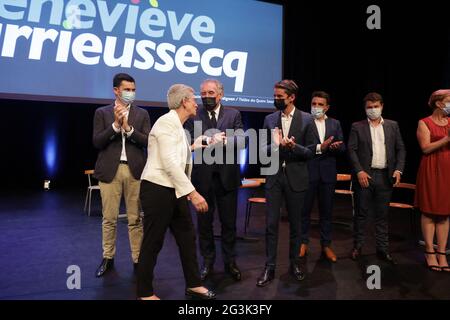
{"x":229,"y":173}
{"x":109,"y":143}
{"x":322,"y":167}
{"x":296,"y":159}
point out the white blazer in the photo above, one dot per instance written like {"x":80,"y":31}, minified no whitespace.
{"x":169,"y":161}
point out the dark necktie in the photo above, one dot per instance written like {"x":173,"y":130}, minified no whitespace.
{"x":213,"y":119}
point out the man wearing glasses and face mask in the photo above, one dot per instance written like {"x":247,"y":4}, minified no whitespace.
{"x":219,"y":181}
{"x":120,"y":134}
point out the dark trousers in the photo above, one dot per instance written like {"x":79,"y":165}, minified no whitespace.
{"x":162,"y":210}
{"x":294,"y":203}
{"x":226,"y":202}
{"x":325,"y":192}
{"x":374,"y":199}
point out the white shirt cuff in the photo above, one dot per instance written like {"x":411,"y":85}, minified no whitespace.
{"x":318,"y":149}
{"x":115,"y":129}
{"x":129,"y":133}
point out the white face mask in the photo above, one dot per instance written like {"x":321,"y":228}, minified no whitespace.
{"x":317,"y":112}
{"x":128,"y":96}
{"x":447,"y":108}
{"x":373,"y":113}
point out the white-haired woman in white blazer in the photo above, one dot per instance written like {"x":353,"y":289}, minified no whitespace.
{"x":165,"y":191}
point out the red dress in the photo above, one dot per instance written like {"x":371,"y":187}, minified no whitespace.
{"x":433,"y":179}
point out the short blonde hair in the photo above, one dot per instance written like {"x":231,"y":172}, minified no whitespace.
{"x":436,"y":96}
{"x":176,"y":94}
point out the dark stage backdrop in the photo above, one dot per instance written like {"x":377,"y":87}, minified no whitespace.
{"x":327,"y":46}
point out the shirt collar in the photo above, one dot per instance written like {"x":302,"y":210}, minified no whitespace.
{"x":370,"y":123}
{"x":216,"y":110}
{"x":324,"y":118}
{"x":290,"y":115}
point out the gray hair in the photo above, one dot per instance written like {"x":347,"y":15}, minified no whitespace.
{"x":176,"y":94}
{"x":218,"y":84}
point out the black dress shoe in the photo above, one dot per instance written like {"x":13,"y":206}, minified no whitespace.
{"x":297,"y":272}
{"x":210,"y":295}
{"x":205,"y":271}
{"x":266,"y":277}
{"x":106,"y":265}
{"x":355,"y":254}
{"x":233,"y":270}
{"x":385,"y":256}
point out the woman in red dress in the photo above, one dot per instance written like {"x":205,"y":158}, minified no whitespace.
{"x":433,"y":179}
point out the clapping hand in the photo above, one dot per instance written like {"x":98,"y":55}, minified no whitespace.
{"x":326,"y":144}
{"x":118,"y":116}
{"x":277,"y":137}
{"x":336,"y":145}
{"x":290,"y":143}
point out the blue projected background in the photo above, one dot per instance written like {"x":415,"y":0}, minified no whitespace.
{"x":70,"y":50}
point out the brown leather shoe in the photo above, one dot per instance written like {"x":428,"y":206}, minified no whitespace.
{"x":303,"y":250}
{"x":329,"y":254}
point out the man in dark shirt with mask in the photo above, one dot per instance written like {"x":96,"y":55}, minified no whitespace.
{"x":218,"y":181}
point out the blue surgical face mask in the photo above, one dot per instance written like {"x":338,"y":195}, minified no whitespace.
{"x":447,"y":108}
{"x":373,"y":113}
{"x":128,"y":96}
{"x":317,"y":112}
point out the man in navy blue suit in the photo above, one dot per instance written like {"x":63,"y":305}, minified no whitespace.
{"x":325,"y":139}
{"x":287,"y":129}
{"x":219,"y":181}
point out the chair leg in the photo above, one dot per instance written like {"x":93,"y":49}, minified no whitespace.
{"x":90,"y":200}
{"x":86,"y":200}
{"x":247,"y":217}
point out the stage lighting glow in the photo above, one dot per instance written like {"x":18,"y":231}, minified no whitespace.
{"x":243,"y":160}
{"x":50,"y":150}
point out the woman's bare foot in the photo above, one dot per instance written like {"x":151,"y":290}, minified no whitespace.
{"x":443,"y":263}
{"x":153,"y":297}
{"x":199,"y":289}
{"x":432,"y":261}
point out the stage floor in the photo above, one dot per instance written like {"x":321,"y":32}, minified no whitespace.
{"x":43,"y":233}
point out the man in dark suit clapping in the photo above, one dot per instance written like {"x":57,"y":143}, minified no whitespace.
{"x":120,"y":134}
{"x":377,"y":154}
{"x":325,"y":139}
{"x":287,"y":128}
